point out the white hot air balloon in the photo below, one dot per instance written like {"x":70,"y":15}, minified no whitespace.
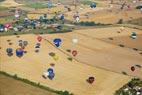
{"x":75,"y":40}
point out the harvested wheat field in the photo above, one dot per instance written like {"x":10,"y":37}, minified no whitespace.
{"x":103,"y":13}
{"x":9,"y":3}
{"x":8,"y":85}
{"x":69,"y":76}
{"x":106,"y":13}
{"x":94,"y":50}
{"x":84,"y":47}
{"x":127,"y":41}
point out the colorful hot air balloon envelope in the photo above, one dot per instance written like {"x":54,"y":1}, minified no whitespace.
{"x":19,"y":52}
{"x":133,"y":35}
{"x":20,"y":44}
{"x":37,"y":45}
{"x":90,"y":80}
{"x":50,"y":70}
{"x":75,"y":40}
{"x":9,"y":51}
{"x":93,"y":5}
{"x":7,"y":25}
{"x":50,"y":73}
{"x":134,"y":1}
{"x":132,"y":68}
{"x":74,"y":53}
{"x":51,"y":76}
{"x":62,"y":17}
{"x":25,"y":43}
{"x":57,"y":42}
{"x":39,"y":38}
{"x":56,"y":57}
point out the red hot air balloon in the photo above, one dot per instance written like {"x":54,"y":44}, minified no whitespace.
{"x":39,"y":38}
{"x":74,"y":53}
{"x":8,"y":25}
{"x":132,"y":68}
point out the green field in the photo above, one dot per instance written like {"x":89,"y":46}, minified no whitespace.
{"x":37,"y":5}
{"x":1,"y":0}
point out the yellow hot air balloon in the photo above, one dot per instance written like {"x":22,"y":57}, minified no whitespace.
{"x":56,"y":58}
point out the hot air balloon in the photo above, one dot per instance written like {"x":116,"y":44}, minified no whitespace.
{"x":19,"y":52}
{"x":39,"y":38}
{"x":49,"y":74}
{"x":74,"y":53}
{"x":132,"y":68}
{"x":9,"y":51}
{"x":133,"y":35}
{"x":75,"y":40}
{"x":57,"y":42}
{"x":91,"y":80}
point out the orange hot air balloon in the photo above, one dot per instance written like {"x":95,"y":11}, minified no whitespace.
{"x":39,"y":38}
{"x":74,"y":53}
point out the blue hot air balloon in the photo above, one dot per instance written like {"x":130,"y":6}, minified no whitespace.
{"x":51,"y":73}
{"x":9,"y":51}
{"x":62,"y":17}
{"x":133,"y":35}
{"x":93,"y":5}
{"x":19,"y":52}
{"x":57,"y":42}
{"x":50,"y":70}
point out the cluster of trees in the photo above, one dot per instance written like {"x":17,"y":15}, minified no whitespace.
{"x":90,"y":23}
{"x":1,"y":0}
{"x":55,"y":19}
{"x":131,"y":88}
{"x":86,"y":2}
{"x":40,"y":5}
{"x":87,"y":23}
{"x":139,"y":7}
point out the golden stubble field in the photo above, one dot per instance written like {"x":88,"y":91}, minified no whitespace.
{"x":7,"y":87}
{"x":69,"y":76}
{"x":9,"y":3}
{"x":96,"y":57}
{"x":103,"y":13}
{"x":93,"y":48}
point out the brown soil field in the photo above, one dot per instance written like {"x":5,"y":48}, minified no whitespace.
{"x":10,"y":86}
{"x":69,"y":75}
